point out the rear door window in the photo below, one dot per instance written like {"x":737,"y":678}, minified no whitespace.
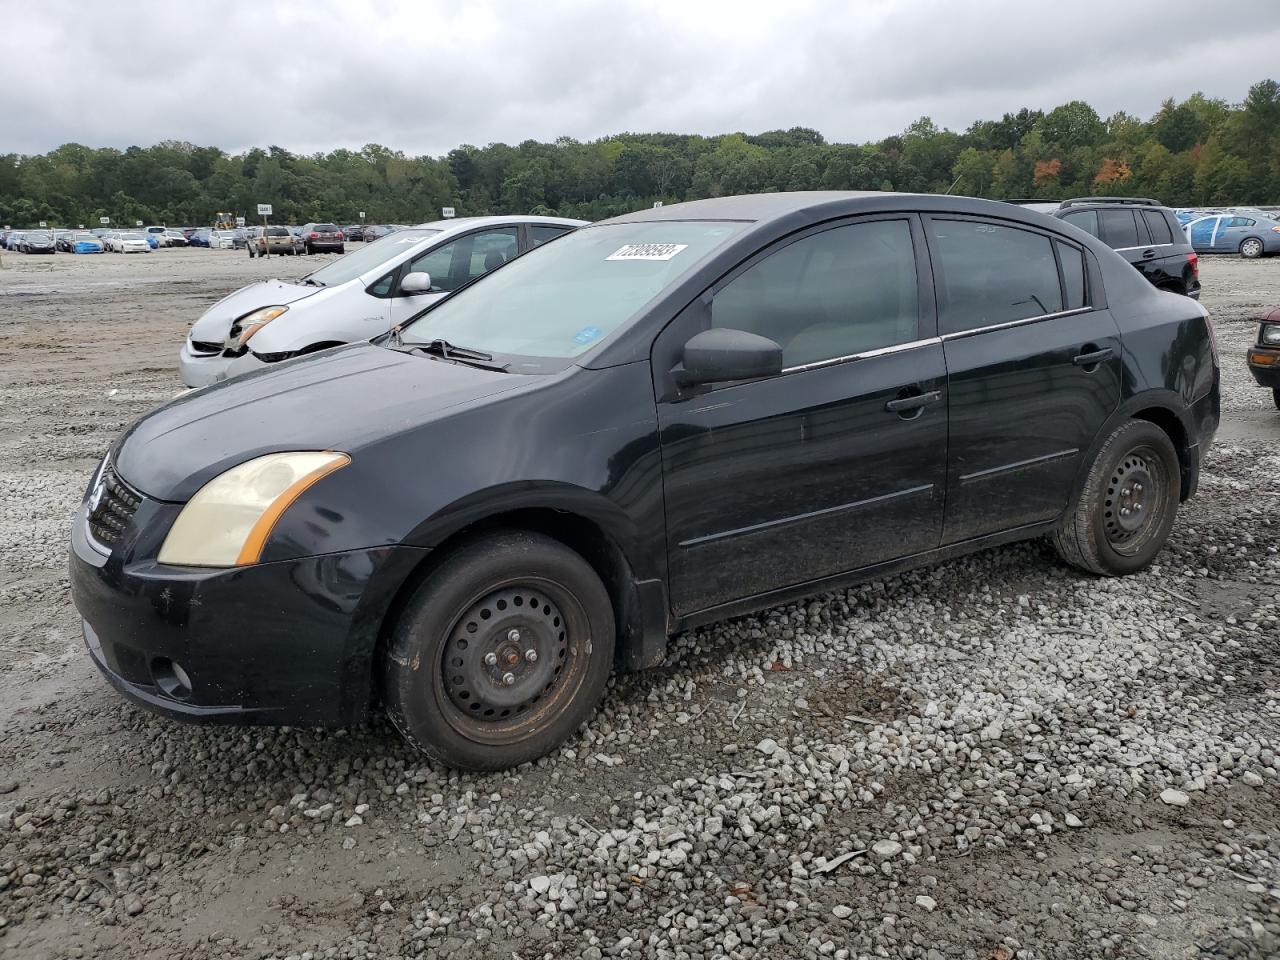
{"x":1119,"y":229}
{"x":1086,"y":220}
{"x":1158,"y":225}
{"x":991,"y":274}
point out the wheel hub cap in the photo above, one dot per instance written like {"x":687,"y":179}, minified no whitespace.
{"x":505,"y":653}
{"x":1130,"y":493}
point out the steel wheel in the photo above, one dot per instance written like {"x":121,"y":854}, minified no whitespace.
{"x":1134,"y":496}
{"x":1251,"y":248}
{"x":511,"y":658}
{"x":502,"y":652}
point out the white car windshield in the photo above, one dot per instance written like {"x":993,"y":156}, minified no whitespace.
{"x":369,"y":258}
{"x":563,"y":298}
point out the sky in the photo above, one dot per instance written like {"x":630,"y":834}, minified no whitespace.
{"x":426,"y":76}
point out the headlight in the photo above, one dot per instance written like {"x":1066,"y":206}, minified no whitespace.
{"x":1271,"y":334}
{"x":251,"y":323}
{"x":227,"y":522}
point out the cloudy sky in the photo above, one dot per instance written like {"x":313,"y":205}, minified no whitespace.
{"x":425,"y":76}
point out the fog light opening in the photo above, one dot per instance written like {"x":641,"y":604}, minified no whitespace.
{"x":171,"y":680}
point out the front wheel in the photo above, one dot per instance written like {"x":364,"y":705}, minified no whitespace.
{"x":1128,"y":503}
{"x":1251,"y":248}
{"x":501,"y":654}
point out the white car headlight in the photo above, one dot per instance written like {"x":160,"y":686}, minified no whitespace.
{"x":1271,"y":334}
{"x":253,"y":322}
{"x":227,"y":522}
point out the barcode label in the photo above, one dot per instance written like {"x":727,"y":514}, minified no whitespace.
{"x":647,"y":251}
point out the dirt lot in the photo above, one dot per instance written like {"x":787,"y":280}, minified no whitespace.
{"x":995,"y":758}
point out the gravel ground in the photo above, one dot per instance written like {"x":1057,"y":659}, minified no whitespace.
{"x":995,"y":758}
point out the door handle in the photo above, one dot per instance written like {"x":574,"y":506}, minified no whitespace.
{"x":1148,"y":254}
{"x":1091,"y":358}
{"x":914,"y":402}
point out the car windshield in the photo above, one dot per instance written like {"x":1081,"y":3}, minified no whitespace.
{"x":368,"y":258}
{"x":563,"y":298}
{"x":132,"y":236}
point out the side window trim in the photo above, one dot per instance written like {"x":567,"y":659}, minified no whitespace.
{"x":938,"y":274}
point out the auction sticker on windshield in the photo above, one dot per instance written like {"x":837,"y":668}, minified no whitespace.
{"x":647,"y":251}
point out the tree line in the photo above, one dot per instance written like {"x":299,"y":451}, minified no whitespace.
{"x":1202,"y":151}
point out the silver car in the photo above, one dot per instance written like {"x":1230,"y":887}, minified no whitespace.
{"x":1250,"y":236}
{"x":356,"y":297}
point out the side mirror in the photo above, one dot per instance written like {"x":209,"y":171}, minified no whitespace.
{"x":415,"y":284}
{"x":721,"y":354}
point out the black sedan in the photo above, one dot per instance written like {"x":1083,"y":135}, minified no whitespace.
{"x":655,"y":422}
{"x":37,"y":241}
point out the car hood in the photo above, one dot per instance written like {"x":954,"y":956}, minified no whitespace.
{"x":339,"y":399}
{"x":214,"y":325}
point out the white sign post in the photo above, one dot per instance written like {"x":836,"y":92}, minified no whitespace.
{"x":447,"y":213}
{"x":137,"y":223}
{"x":43,"y":224}
{"x":264,"y":211}
{"x":104,"y":220}
{"x":239,"y":221}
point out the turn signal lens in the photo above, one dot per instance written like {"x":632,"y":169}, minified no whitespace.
{"x":1260,"y":358}
{"x":227,"y":522}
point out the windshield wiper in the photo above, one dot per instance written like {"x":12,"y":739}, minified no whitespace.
{"x":312,"y":281}
{"x":449,"y":351}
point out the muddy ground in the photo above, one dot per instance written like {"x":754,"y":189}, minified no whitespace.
{"x":1008,"y":725}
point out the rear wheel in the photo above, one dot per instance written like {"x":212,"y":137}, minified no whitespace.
{"x":1275,"y":395}
{"x":1251,"y":248}
{"x":1128,"y":504}
{"x":501,"y":654}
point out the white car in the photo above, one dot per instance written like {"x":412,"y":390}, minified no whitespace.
{"x":222,"y":240}
{"x":127,"y":243}
{"x":356,"y":297}
{"x":161,"y":234}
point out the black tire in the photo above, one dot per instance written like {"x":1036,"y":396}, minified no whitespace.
{"x":1128,"y":503}
{"x":342,"y":250}
{"x":457,"y":682}
{"x":309,"y":249}
{"x":1275,"y":396}
{"x":1251,"y":248}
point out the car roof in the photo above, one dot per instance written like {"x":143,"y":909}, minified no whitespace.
{"x":468,"y":222}
{"x":809,"y":206}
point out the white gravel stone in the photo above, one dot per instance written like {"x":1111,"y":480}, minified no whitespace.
{"x":1175,"y":798}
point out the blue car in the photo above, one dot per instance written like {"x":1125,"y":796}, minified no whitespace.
{"x":200,"y":238}
{"x":85,"y":243}
{"x":1249,"y":236}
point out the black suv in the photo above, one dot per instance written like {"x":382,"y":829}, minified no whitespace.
{"x":1142,"y":231}
{"x":679,"y":415}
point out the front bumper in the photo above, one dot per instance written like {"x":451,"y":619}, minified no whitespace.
{"x":201,"y":369}
{"x":290,"y":642}
{"x":1264,"y":364}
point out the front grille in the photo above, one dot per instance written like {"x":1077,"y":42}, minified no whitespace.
{"x":205,"y":346}
{"x":115,"y":506}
